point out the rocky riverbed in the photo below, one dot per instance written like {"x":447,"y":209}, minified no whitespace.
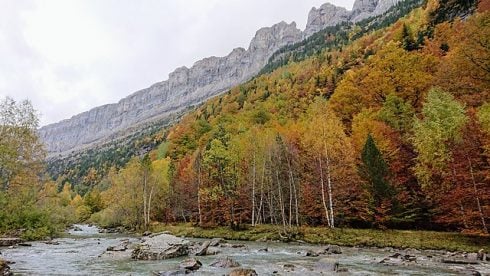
{"x":88,"y":252}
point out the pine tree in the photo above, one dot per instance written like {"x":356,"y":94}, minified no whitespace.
{"x":375,"y":172}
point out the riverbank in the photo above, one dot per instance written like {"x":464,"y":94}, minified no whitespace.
{"x":341,"y":236}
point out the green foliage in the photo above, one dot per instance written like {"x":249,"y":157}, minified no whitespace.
{"x":397,"y":113}
{"x":438,"y":131}
{"x":484,"y":116}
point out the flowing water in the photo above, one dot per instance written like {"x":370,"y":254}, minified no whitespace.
{"x":78,"y":253}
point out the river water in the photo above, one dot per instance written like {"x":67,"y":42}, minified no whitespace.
{"x":78,"y":253}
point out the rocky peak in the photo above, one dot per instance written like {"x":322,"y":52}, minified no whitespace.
{"x":385,"y":5}
{"x":326,"y":15}
{"x":270,"y":37}
{"x":363,"y":9}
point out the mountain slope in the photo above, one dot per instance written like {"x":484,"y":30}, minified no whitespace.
{"x":189,"y":86}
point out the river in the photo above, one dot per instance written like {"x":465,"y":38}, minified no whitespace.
{"x":78,"y":253}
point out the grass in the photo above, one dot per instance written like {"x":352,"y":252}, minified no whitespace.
{"x":341,"y":236}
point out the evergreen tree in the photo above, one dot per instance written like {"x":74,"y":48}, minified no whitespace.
{"x":375,"y":172}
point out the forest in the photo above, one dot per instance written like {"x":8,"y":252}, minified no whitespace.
{"x":390,"y":130}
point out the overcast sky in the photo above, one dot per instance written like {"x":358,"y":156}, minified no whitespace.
{"x":69,"y":56}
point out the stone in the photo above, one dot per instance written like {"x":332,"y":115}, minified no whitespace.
{"x":146,"y":233}
{"x":216,"y":241}
{"x":212,"y":251}
{"x":5,"y":268}
{"x":459,"y":261}
{"x":243,"y":272}
{"x":334,"y":249}
{"x":173,"y":272}
{"x":9,"y":241}
{"x":161,"y":247}
{"x":225,"y":262}
{"x":201,"y":251}
{"x":123,"y":246}
{"x":24,"y":244}
{"x":310,"y":253}
{"x":472,"y":256}
{"x":263,"y":249}
{"x":481,"y":255}
{"x":190,"y":264}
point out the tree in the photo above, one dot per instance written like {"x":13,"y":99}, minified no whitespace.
{"x":375,"y":172}
{"x":435,"y":134}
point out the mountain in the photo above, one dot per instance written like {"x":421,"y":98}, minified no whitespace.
{"x":190,"y":86}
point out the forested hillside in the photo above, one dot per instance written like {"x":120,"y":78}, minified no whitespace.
{"x":390,"y":131}
{"x":367,"y":127}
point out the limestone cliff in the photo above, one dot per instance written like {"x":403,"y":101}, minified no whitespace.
{"x":190,"y":86}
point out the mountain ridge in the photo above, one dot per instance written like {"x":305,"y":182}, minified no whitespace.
{"x":185,"y":87}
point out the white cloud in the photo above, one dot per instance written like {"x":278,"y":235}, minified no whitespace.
{"x":68,"y":56}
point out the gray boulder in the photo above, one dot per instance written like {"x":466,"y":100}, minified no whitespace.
{"x":201,"y":251}
{"x":190,"y":264}
{"x":161,"y":247}
{"x":225,"y":262}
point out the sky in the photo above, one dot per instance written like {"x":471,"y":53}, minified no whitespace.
{"x":68,"y":56}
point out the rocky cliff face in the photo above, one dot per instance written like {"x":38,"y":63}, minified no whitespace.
{"x":189,"y":86}
{"x":184,"y":87}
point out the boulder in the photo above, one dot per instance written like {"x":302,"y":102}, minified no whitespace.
{"x":243,"y":272}
{"x":459,"y":261}
{"x":216,"y":241}
{"x":5,"y":269}
{"x":263,"y":250}
{"x":201,"y":251}
{"x":9,"y":241}
{"x":161,"y":247}
{"x":481,"y":255}
{"x":173,"y":272}
{"x":310,"y":253}
{"x":333,"y":249}
{"x":146,"y":233}
{"x":123,"y":246}
{"x":327,"y":265}
{"x":288,"y":267}
{"x":190,"y":264}
{"x":225,"y":262}
{"x":212,"y":251}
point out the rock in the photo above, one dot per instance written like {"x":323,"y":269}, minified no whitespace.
{"x":212,"y":251}
{"x":146,"y":233}
{"x":481,"y":255}
{"x":5,"y":268}
{"x":52,"y":242}
{"x":121,"y":247}
{"x":310,"y":253}
{"x":9,"y":241}
{"x":472,"y":256}
{"x":327,"y":265}
{"x":232,"y":245}
{"x":458,"y":261}
{"x":76,"y":228}
{"x":161,"y":247}
{"x":24,"y":244}
{"x":216,"y":241}
{"x":288,"y":267}
{"x":263,"y":249}
{"x":243,"y":272}
{"x":334,"y":249}
{"x":163,"y":100}
{"x":190,"y":264}
{"x":325,"y":16}
{"x":201,"y":251}
{"x":225,"y":262}
{"x":173,"y":272}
